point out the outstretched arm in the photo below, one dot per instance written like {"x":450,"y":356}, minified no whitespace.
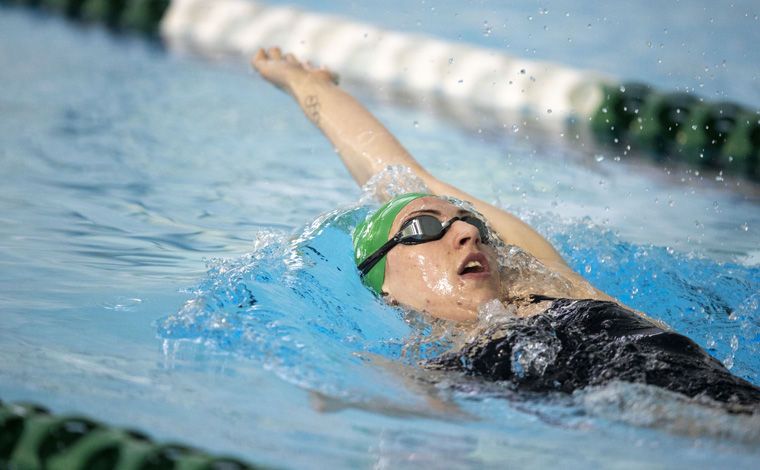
{"x":367,"y":147}
{"x":363,"y":143}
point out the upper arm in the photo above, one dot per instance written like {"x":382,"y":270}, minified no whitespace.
{"x":513,"y":231}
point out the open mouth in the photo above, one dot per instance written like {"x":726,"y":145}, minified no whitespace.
{"x":473,"y":265}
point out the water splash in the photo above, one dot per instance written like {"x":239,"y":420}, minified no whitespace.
{"x":710,"y":301}
{"x":391,"y":182}
{"x":295,"y":305}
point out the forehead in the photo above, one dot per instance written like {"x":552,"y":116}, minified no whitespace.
{"x":427,"y":204}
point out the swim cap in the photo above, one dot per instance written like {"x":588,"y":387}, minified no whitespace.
{"x":373,"y":233}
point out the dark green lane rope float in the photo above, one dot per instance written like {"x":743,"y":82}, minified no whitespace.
{"x":679,"y":126}
{"x":673,"y":127}
{"x":31,"y":438}
{"x":135,"y":15}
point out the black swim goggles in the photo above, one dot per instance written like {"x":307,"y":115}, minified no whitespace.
{"x":420,"y":229}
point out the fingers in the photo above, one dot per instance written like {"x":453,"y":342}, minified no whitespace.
{"x":275,"y":53}
{"x":260,"y":55}
{"x":264,"y":59}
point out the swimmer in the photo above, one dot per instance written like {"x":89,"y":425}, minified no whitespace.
{"x":366,"y":147}
{"x":434,"y":254}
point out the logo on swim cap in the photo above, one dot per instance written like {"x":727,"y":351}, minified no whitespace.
{"x":373,"y":232}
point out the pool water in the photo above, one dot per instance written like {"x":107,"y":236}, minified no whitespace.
{"x":175,"y":260}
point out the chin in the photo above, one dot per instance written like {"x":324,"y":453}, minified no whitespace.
{"x":462,"y":313}
{"x":481,"y":296}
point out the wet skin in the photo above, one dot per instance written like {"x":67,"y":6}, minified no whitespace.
{"x":449,"y":278}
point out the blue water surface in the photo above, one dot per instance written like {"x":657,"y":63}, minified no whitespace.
{"x":175,"y":252}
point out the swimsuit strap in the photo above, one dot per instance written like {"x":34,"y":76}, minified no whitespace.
{"x":536,"y":298}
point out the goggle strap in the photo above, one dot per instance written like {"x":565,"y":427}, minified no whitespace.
{"x":366,"y":266}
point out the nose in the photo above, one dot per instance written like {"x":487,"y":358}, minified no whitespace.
{"x":464,"y":234}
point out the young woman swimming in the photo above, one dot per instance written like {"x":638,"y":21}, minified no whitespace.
{"x":435,"y":254}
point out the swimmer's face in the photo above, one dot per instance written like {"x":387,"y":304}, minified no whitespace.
{"x":449,"y":278}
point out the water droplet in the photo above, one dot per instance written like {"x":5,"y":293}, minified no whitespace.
{"x":599,"y":158}
{"x":416,"y":124}
{"x":622,"y":88}
{"x":486,"y":29}
{"x":548,"y":111}
{"x":451,"y":60}
{"x":522,"y":72}
{"x":515,"y":128}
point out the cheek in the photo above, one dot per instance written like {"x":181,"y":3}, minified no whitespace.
{"x":415,"y":272}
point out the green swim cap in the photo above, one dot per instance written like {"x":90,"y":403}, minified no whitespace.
{"x":373,"y":233}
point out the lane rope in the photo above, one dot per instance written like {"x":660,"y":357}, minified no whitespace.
{"x":32,"y":438}
{"x":671,"y":127}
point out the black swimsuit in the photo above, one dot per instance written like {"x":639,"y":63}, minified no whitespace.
{"x":577,"y":343}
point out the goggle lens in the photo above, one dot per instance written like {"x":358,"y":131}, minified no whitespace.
{"x":426,"y":228}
